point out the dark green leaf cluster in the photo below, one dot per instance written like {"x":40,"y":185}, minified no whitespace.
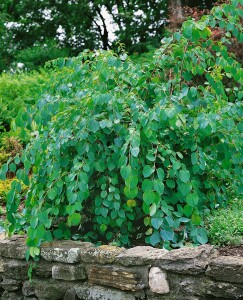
{"x":121,"y":150}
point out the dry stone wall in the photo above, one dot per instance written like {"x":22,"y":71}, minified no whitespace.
{"x":72,"y":270}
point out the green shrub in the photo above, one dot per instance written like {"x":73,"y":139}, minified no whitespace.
{"x":122,"y":150}
{"x":18,"y":91}
{"x":10,"y":146}
{"x":5,"y":186}
{"x":225,"y":226}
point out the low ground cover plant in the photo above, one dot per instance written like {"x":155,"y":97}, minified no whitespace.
{"x":225,"y":226}
{"x":122,"y":152}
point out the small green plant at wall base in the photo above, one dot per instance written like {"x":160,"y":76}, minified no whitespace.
{"x":225,"y":226}
{"x":122,"y":150}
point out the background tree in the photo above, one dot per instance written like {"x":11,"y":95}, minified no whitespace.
{"x":77,"y":24}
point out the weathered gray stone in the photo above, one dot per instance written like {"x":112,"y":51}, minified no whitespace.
{"x":15,"y":269}
{"x":225,"y":290}
{"x":226,"y":268}
{"x":158,"y":281}
{"x":188,"y":285}
{"x":13,"y":247}
{"x":132,"y":279}
{"x":71,"y":295}
{"x":51,"y":289}
{"x":63,"y":251}
{"x":141,"y":255}
{"x":103,"y":254}
{"x":101,"y":293}
{"x":203,"y":286}
{"x":11,"y":284}
{"x":188,"y":260}
{"x":43,"y":269}
{"x":69,"y":272}
{"x":12,"y":296}
{"x":28,"y":288}
{"x":174,"y":297}
{"x":1,"y":264}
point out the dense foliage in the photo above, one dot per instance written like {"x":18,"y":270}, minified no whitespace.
{"x":121,"y":151}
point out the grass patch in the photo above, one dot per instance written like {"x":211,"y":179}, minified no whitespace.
{"x":225,"y":226}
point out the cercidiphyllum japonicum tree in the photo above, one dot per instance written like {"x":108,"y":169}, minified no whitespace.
{"x":124,"y":150}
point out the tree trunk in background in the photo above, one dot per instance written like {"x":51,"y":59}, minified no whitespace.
{"x":176,"y":5}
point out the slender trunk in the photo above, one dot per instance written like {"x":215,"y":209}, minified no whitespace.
{"x":178,"y":5}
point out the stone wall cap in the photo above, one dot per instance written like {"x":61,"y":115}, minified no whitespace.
{"x":14,"y":247}
{"x":188,"y":260}
{"x":140,"y":255}
{"x":63,"y":251}
{"x":66,"y":244}
{"x":102,"y":254}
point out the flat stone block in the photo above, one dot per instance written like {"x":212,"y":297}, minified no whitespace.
{"x":63,"y":251}
{"x":104,"y":254}
{"x":102,"y":293}
{"x":1,"y":265}
{"x":28,"y":288}
{"x":50,"y":289}
{"x":132,"y":279}
{"x":70,"y":295}
{"x":188,"y":260}
{"x":12,"y":296}
{"x":158,"y":281}
{"x":225,"y":290}
{"x":141,"y":255}
{"x":43,"y":269}
{"x":69,"y":272}
{"x":226,"y":268}
{"x":13,"y":247}
{"x":188,"y":285}
{"x":11,"y":284}
{"x":15,"y":269}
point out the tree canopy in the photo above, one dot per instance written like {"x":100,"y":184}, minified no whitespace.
{"x":77,"y":25}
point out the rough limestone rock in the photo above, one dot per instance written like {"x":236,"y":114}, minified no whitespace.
{"x":15,"y":269}
{"x":101,"y":293}
{"x":132,"y":279}
{"x":28,"y":288}
{"x":11,"y":284}
{"x":50,"y":289}
{"x":174,"y":297}
{"x":141,"y":255}
{"x":63,"y":251}
{"x":225,"y":290}
{"x":70,"y":295}
{"x":104,"y":254}
{"x":69,"y":272}
{"x":188,"y":260}
{"x":13,"y":247}
{"x":1,"y":264}
{"x":158,"y":281}
{"x":188,"y":285}
{"x":226,"y":268}
{"x":43,"y":269}
{"x":12,"y":296}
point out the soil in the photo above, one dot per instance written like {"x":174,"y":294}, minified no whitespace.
{"x":231,"y":250}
